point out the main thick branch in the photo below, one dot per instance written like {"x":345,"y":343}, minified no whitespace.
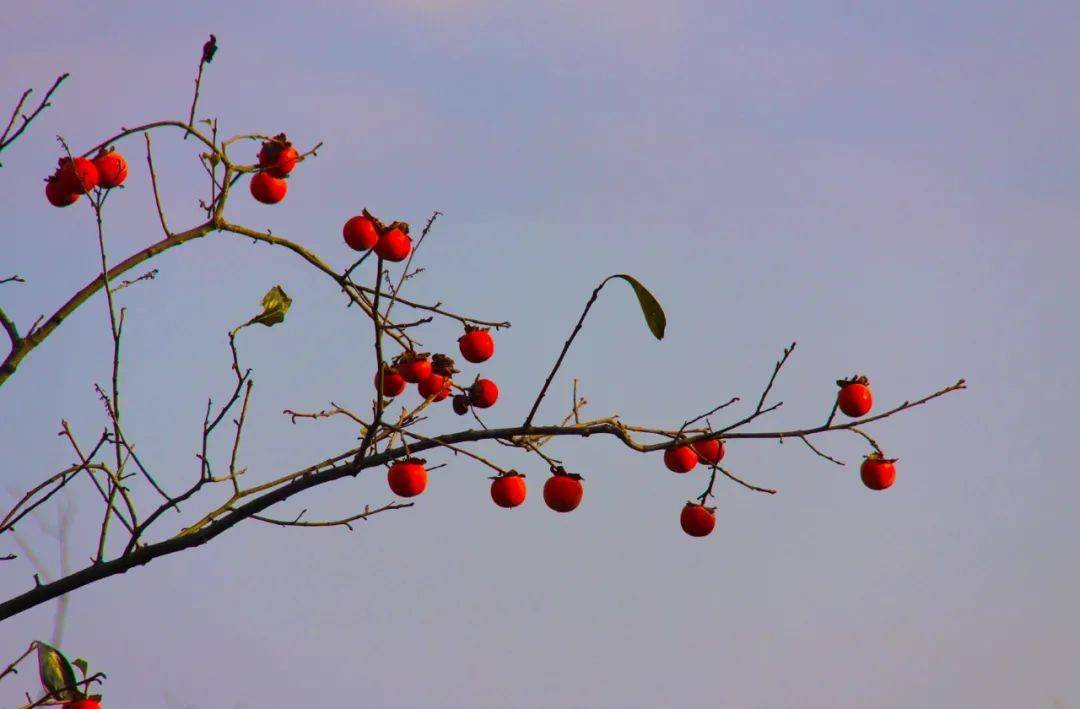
{"x":26,"y":344}
{"x":609,"y":427}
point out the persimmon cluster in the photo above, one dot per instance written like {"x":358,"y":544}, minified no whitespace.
{"x":366,"y":232}
{"x":433,"y":375}
{"x":277,"y":158}
{"x":854,"y":399}
{"x":75,"y":176}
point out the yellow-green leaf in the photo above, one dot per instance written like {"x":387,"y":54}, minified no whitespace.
{"x":57,"y":677}
{"x":650,"y":307}
{"x":275,"y":304}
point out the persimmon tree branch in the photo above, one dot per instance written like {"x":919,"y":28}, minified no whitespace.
{"x":216,"y":500}
{"x":565,"y":349}
{"x":208,"y":51}
{"x":38,"y":334}
{"x":343,"y":522}
{"x":59,"y":480}
{"x":8,"y":137}
{"x":116,"y":328}
{"x":351,"y":465}
{"x":10,"y":328}
{"x":154,"y":185}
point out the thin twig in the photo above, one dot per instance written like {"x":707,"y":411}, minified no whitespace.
{"x":154,"y":185}
{"x":759,"y":410}
{"x":380,"y":366}
{"x":11,"y":668}
{"x":562,"y":354}
{"x":708,"y":413}
{"x":85,"y":460}
{"x":703,"y":497}
{"x":148,"y":276}
{"x":116,"y":325}
{"x":871,"y":441}
{"x":745,"y":484}
{"x":345,"y":522}
{"x":5,"y":139}
{"x":772,"y":379}
{"x":208,"y":51}
{"x":236,"y":441}
{"x":810,"y":445}
{"x":412,"y":254}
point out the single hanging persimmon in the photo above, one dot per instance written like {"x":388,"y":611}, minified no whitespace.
{"x":414,"y":368}
{"x":360,"y":233}
{"x":509,"y":490}
{"x":268,"y":189}
{"x":476,"y":344}
{"x":394,"y":244}
{"x":680,"y":459}
{"x":84,"y":703}
{"x":878,"y":472}
{"x":78,"y":175}
{"x":392,"y":382}
{"x":58,"y":194}
{"x":277,"y":156}
{"x":697,"y":520}
{"x":855,"y":398}
{"x":436,"y":387}
{"x":408,"y":478}
{"x":710,"y":451}
{"x":112,"y":168}
{"x":483,"y":393}
{"x":563,"y":491}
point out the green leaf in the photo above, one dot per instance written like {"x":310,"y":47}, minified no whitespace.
{"x":650,"y":306}
{"x":275,"y":304}
{"x":83,"y":666}
{"x":57,"y":677}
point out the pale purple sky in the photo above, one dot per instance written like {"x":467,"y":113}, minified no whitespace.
{"x":893,"y":185}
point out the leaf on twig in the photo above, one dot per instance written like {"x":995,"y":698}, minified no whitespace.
{"x":650,"y":307}
{"x":275,"y":304}
{"x":57,"y":677}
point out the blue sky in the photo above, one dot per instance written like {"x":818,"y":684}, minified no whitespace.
{"x":892,"y":185}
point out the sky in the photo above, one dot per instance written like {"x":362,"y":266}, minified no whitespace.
{"x":893,"y":185}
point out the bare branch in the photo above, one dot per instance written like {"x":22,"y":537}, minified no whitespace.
{"x":154,"y":185}
{"x":710,"y":412}
{"x":148,"y":276}
{"x":11,"y":668}
{"x":405,"y":271}
{"x":350,"y":464}
{"x":344,"y":522}
{"x":758,"y":410}
{"x":37,"y":335}
{"x":565,"y":349}
{"x":745,"y":484}
{"x":772,"y":379}
{"x":236,"y":441}
{"x":7,"y":137}
{"x":208,"y":51}
{"x":810,"y":445}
